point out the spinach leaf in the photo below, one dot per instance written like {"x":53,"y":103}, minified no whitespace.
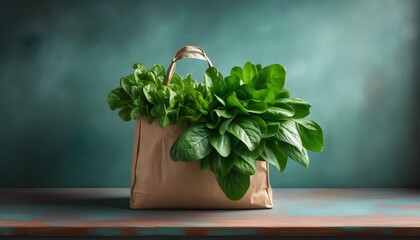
{"x":271,"y":77}
{"x":234,"y":184}
{"x":118,"y":98}
{"x":300,"y":107}
{"x":288,"y":133}
{"x":237,"y":72}
{"x":280,"y":112}
{"x":311,"y":134}
{"x":224,"y":125}
{"x":275,"y":155}
{"x":272,"y":129}
{"x":125,"y":114}
{"x":246,"y":130}
{"x":232,"y":83}
{"x":301,"y":156}
{"x":223,"y":165}
{"x":256,"y":107}
{"x":233,"y":103}
{"x":248,"y":72}
{"x":221,"y":143}
{"x":246,"y":166}
{"x":214,"y":81}
{"x":193,"y":144}
{"x":204,"y":163}
{"x":242,"y":151}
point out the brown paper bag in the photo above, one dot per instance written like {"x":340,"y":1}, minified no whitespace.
{"x":157,"y":182}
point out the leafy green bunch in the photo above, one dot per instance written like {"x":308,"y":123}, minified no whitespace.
{"x":235,"y":121}
{"x":145,"y":93}
{"x":251,"y":118}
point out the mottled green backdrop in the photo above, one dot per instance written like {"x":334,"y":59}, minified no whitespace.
{"x":355,"y":61}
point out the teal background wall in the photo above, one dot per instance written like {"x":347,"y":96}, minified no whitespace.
{"x":355,"y":61}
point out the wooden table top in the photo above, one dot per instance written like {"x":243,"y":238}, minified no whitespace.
{"x":297,"y":212}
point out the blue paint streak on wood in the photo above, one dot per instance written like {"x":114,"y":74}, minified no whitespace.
{"x":351,"y":208}
{"x":162,"y":231}
{"x":342,"y":211}
{"x":106,"y":231}
{"x":353,"y":229}
{"x":198,"y":224}
{"x":366,"y":203}
{"x":232,"y":232}
{"x":5,"y":231}
{"x":18,"y":216}
{"x":388,"y":231}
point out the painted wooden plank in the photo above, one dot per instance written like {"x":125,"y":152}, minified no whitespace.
{"x":297,"y":212}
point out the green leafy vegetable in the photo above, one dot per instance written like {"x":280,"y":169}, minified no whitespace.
{"x":234,"y":184}
{"x":221,"y":143}
{"x":145,"y":93}
{"x":193,"y":144}
{"x":235,"y":121}
{"x":247,"y":131}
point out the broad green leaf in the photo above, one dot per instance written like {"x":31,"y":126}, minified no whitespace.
{"x":280,"y":112}
{"x":232,"y":83}
{"x":210,"y":158}
{"x":289,"y":133}
{"x":224,"y":125}
{"x":275,"y":155}
{"x":118,"y":98}
{"x":246,"y":91}
{"x":283,"y":93}
{"x":272,"y":129}
{"x":201,"y":104}
{"x":170,"y":96}
{"x":234,"y":184}
{"x":214,"y":81}
{"x":150,"y":91}
{"x":158,"y":70}
{"x":221,"y":143}
{"x":256,"y":107}
{"x":177,"y":80}
{"x":261,"y":123}
{"x":213,"y":124}
{"x":193,"y":144}
{"x":204,"y":164}
{"x":127,"y":83}
{"x":301,"y":108}
{"x":246,"y":165}
{"x":220,"y":100}
{"x":125,"y":114}
{"x":140,"y":67}
{"x":272,"y":77}
{"x":294,"y":153}
{"x":223,"y":165}
{"x":189,"y":84}
{"x":135,"y":113}
{"x":222,"y":113}
{"x":243,"y":151}
{"x":247,"y":131}
{"x":264,"y":95}
{"x":233,"y":102}
{"x":248,"y":72}
{"x":164,"y":121}
{"x":135,"y":92}
{"x":311,"y":134}
{"x":237,"y":72}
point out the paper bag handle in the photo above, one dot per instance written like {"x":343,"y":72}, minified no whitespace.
{"x":186,"y":52}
